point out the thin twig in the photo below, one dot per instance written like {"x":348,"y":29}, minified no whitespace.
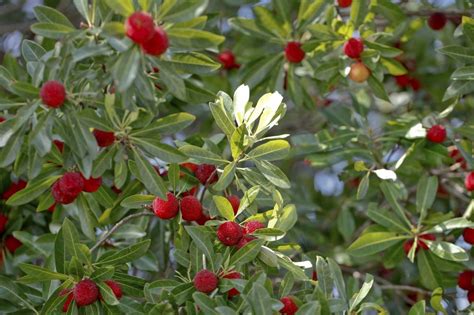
{"x":403,"y":288}
{"x":118,"y":225}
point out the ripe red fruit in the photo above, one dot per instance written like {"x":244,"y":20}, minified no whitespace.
{"x":139,"y":27}
{"x":289,"y":306}
{"x":69,"y":298}
{"x":191,"y":192}
{"x":53,"y":94}
{"x":191,"y":209}
{"x":314,"y":276}
{"x":13,"y":188}
{"x":235,"y":202}
{"x":229,"y":233}
{"x":436,"y":134}
{"x":206,"y":174}
{"x":116,"y":288}
{"x":456,"y":155}
{"x":2,"y":119}
{"x":465,"y":279}
{"x":205,"y":281}
{"x":12,"y":244}
{"x":467,"y":234}
{"x":470,"y":296}
{"x":92,"y":184}
{"x":252,"y":226}
{"x":86,"y":292}
{"x":344,"y":3}
{"x":293,"y":52}
{"x":359,"y":72}
{"x":227,"y":59}
{"x":104,"y":138}
{"x":68,"y":187}
{"x":403,"y":81}
{"x":469,"y":181}
{"x":415,"y":84}
{"x":353,"y":48}
{"x":232,"y":275}
{"x":203,"y":219}
{"x":192,"y":167}
{"x":59,"y":144}
{"x":166,"y":209}
{"x":408,"y":244}
{"x":3,"y":223}
{"x":157,"y":44}
{"x":437,"y":21}
{"x":244,"y":240}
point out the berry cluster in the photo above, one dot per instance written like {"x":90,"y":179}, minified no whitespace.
{"x":71,"y":184}
{"x":141,"y":29}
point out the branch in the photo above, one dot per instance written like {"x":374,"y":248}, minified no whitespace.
{"x":403,"y":288}
{"x":118,"y":225}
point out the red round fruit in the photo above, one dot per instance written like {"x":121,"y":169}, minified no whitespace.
{"x":69,"y":298}
{"x":293,"y":52}
{"x":205,"y":281}
{"x":470,"y":296}
{"x":289,"y":306}
{"x":53,"y":94}
{"x":191,"y":192}
{"x":415,"y":84}
{"x":227,"y":59}
{"x":60,"y":197}
{"x":359,"y":72}
{"x":157,"y":44}
{"x":2,"y":119}
{"x":232,"y":275}
{"x":86,"y":292}
{"x":344,"y":3}
{"x":92,"y":184}
{"x":59,"y":144}
{"x":104,"y":138}
{"x":467,"y":234}
{"x":206,"y":174}
{"x":13,"y":189}
{"x":314,"y":276}
{"x":252,"y":226}
{"x":203,"y":219}
{"x":403,"y":81}
{"x":465,"y":279}
{"x":437,"y":21}
{"x":244,"y":240}
{"x":12,"y":244}
{"x":191,"y":167}
{"x":116,"y":288}
{"x":469,"y":181}
{"x":3,"y":223}
{"x":166,"y":209}
{"x":68,"y":187}
{"x":353,"y":48}
{"x":436,"y":134}
{"x":191,"y":209}
{"x":229,"y":233}
{"x":139,"y":27}
{"x":235,"y":202}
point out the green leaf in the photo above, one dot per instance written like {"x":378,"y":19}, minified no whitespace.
{"x":11,"y":292}
{"x":125,"y":255}
{"x":463,"y":73}
{"x":373,"y":242}
{"x":202,"y":241}
{"x":448,"y":251}
{"x":225,"y":179}
{"x":273,"y":174}
{"x":359,"y":11}
{"x":271,"y":151}
{"x":418,"y":308}
{"x":338,"y":278}
{"x":149,"y":176}
{"x":378,"y":88}
{"x":308,"y":10}
{"x":360,"y":296}
{"x":458,"y":53}
{"x":266,"y":19}
{"x":436,"y":301}
{"x":386,"y":219}
{"x":31,"y":50}
{"x":224,"y":207}
{"x":50,"y":30}
{"x":168,"y":124}
{"x":25,"y":89}
{"x":49,"y":15}
{"x":38,"y":274}
{"x":126,"y":68}
{"x":391,"y":195}
{"x":363,"y":186}
{"x":325,"y":280}
{"x":162,"y":151}
{"x":205,"y":303}
{"x":259,"y":300}
{"x":82,"y":7}
{"x":221,"y":117}
{"x":430,"y":277}
{"x":33,"y":190}
{"x":393,"y":66}
{"x":385,"y":51}
{"x":425,"y":194}
{"x":107,"y":294}
{"x":122,"y":7}
{"x":192,"y":62}
{"x":189,"y":38}
{"x":390,"y":10}
{"x":247,"y":253}
{"x":202,"y":155}
{"x":456,"y":223}
{"x":137,"y":201}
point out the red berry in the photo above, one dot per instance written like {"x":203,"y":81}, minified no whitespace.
{"x":436,"y":134}
{"x":359,"y":72}
{"x":470,"y":296}
{"x":203,"y":219}
{"x":344,"y":3}
{"x":53,"y":94}
{"x":116,"y":288}
{"x":104,"y":138}
{"x":403,"y":81}
{"x":252,"y":226}
{"x":314,"y":276}
{"x":469,"y":181}
{"x":59,"y":144}
{"x":191,"y":192}
{"x":415,"y":84}
{"x":92,"y":184}
{"x":227,"y":59}
{"x":205,"y":281}
{"x":12,"y":244}
{"x":232,"y":275}
{"x":456,"y":155}
{"x":229,"y":233}
{"x":465,"y":279}
{"x":157,"y":44}
{"x":467,"y":234}
{"x":139,"y":27}
{"x":293,"y":52}
{"x":60,"y":197}
{"x":191,"y":209}
{"x":69,"y":298}
{"x":206,"y":174}
{"x":192,"y":167}
{"x":166,"y":209}
{"x":407,"y":246}
{"x":3,"y":223}
{"x":244,"y":240}
{"x":235,"y":202}
{"x":353,"y":48}
{"x":437,"y":21}
{"x":13,"y":189}
{"x":289,"y":306}
{"x":86,"y":292}
{"x":68,"y":187}
{"x":429,"y":237}
{"x":2,"y":119}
